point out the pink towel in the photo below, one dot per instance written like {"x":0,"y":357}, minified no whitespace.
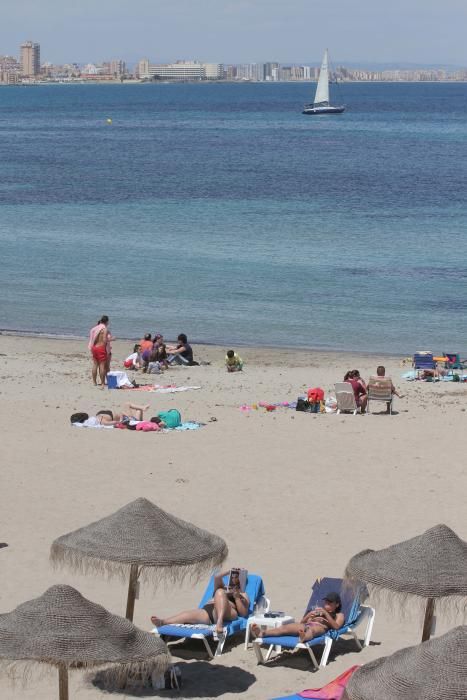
{"x":333,"y":690}
{"x":147,"y":426}
{"x":93,"y":333}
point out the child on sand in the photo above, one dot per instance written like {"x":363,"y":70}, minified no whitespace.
{"x":233,"y":361}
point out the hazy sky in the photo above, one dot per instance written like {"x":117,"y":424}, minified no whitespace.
{"x":407,"y":31}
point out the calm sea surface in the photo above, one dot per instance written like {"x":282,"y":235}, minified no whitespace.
{"x":220,"y":211}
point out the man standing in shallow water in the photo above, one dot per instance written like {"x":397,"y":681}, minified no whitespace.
{"x":99,"y":345}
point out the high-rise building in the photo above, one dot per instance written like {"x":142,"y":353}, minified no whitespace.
{"x":30,"y":59}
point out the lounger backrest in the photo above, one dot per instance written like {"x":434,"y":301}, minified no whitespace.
{"x":254,"y":589}
{"x":345,"y":396}
{"x":351,"y":596}
{"x":380,"y":388}
{"x":424,"y":360}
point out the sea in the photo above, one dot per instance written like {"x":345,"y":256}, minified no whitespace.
{"x":220,"y":211}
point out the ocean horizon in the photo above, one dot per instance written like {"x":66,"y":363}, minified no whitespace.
{"x":221,"y":211}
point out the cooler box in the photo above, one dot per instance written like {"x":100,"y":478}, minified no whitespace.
{"x":112,"y":381}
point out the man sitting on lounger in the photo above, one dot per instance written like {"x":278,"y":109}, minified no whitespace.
{"x":313,"y":624}
{"x":381,"y":374}
{"x":227,"y":604}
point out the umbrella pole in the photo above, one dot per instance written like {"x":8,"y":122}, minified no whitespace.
{"x":62,"y":682}
{"x":428,"y":622}
{"x":132,"y":585}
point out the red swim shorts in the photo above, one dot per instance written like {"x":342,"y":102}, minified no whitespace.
{"x":99,"y":353}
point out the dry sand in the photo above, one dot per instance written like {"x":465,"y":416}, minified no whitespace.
{"x":294,"y":495}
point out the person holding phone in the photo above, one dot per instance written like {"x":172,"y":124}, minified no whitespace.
{"x":228,"y":603}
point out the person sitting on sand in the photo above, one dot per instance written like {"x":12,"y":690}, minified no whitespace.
{"x":233,"y":361}
{"x":182,"y":353}
{"x":157,"y":358}
{"x":225,"y":605}
{"x":134,"y":360}
{"x":381,"y":374}
{"x":359,"y":388}
{"x":313,"y":624}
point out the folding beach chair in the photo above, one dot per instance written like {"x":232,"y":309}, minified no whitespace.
{"x":423,"y":360}
{"x":258,"y":601}
{"x":354,"y":615}
{"x":453,"y":361}
{"x":380,"y":389}
{"x":345,"y":398}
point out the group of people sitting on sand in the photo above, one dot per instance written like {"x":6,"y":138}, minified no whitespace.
{"x":152,"y":355}
{"x":230,"y":602}
{"x":360,"y":388}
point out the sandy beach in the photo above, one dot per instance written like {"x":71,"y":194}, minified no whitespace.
{"x":294,"y":495}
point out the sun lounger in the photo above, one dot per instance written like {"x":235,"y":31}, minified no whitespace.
{"x":355,"y":614}
{"x":345,"y":398}
{"x":380,"y":389}
{"x":258,"y":601}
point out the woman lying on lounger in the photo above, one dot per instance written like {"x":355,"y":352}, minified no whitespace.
{"x":313,"y":624}
{"x":225,"y":605}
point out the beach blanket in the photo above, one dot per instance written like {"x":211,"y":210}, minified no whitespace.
{"x":143,"y":426}
{"x":332,"y":691}
{"x":160,"y":389}
{"x":268,"y":406}
{"x":96,"y":426}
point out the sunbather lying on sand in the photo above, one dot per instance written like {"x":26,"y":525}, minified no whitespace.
{"x":110,"y":418}
{"x":226,"y":605}
{"x":313,"y":624}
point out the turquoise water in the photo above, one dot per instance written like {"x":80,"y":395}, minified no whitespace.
{"x":220,"y":211}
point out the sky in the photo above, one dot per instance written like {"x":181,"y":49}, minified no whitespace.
{"x":420,"y":32}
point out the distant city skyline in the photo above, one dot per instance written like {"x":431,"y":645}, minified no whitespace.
{"x":421,"y":32}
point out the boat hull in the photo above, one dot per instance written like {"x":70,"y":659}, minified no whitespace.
{"x":322,"y":110}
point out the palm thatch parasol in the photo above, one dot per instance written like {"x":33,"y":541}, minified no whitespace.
{"x":433,"y":670}
{"x":140,"y":540}
{"x":431,"y":567}
{"x":63,"y":629}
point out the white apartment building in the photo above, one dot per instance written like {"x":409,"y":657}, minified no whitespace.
{"x":181,"y":70}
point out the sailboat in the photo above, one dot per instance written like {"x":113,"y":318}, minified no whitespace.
{"x":321,"y":104}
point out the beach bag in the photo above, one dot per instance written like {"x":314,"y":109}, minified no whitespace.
{"x":171,"y":418}
{"x":303,"y":405}
{"x":170,"y":680}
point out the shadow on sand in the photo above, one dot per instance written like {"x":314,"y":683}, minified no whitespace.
{"x":200,"y":679}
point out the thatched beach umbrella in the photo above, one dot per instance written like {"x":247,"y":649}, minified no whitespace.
{"x":433,"y":670}
{"x":431,"y":567}
{"x":140,"y":540}
{"x":63,"y":629}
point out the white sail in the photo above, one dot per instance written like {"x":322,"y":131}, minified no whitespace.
{"x":322,"y":89}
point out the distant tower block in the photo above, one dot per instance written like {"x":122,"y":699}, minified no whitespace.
{"x":30,"y":59}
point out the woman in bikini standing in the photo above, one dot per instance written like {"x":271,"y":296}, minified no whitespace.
{"x":313,"y":624}
{"x":99,"y":345}
{"x":225,"y":605}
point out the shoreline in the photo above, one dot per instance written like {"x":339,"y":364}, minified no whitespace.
{"x":299,"y":349}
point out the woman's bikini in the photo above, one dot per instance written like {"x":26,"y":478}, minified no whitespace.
{"x":324,"y":625}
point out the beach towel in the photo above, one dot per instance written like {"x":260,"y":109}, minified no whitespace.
{"x":173,"y":389}
{"x":93,"y":333}
{"x":91,"y":424}
{"x":332,"y":691}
